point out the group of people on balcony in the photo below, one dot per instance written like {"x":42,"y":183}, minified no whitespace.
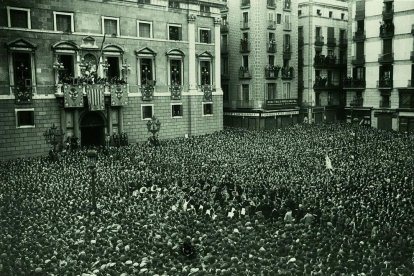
{"x":320,"y":81}
{"x":386,"y":27}
{"x":199,"y":206}
{"x":325,"y":60}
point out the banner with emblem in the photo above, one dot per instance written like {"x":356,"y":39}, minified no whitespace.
{"x":96,"y":97}
{"x":73,"y":95}
{"x":119,"y":95}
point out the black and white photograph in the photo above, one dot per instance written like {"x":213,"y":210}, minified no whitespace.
{"x":206,"y":137}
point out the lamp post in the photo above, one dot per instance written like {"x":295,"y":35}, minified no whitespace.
{"x":92,"y":159}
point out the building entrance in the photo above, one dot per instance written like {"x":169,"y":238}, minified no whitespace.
{"x":92,"y":130}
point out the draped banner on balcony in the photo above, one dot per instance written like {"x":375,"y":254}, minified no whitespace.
{"x":73,"y":95}
{"x":119,"y":96}
{"x":96,"y":99}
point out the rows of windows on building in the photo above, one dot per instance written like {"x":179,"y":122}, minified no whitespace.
{"x":65,"y":22}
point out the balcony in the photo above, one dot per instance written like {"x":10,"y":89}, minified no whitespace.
{"x":343,"y":42}
{"x":244,"y":25}
{"x":387,"y":14}
{"x":287,"y":73}
{"x":147,"y":90}
{"x":224,"y":27}
{"x":354,"y":84}
{"x":271,"y":25}
{"x":359,"y":36}
{"x":387,"y":30}
{"x":385,"y":84}
{"x":176,"y":90}
{"x":386,"y":58}
{"x":357,"y":102}
{"x":328,"y":62}
{"x":287,"y":51}
{"x":385,"y":104}
{"x":281,"y":103}
{"x":319,"y":41}
{"x":271,"y":46}
{"x":287,"y":26}
{"x":331,"y":42}
{"x":244,"y":73}
{"x":323,"y":84}
{"x":271,"y":4}
{"x":23,"y":94}
{"x":244,"y":46}
{"x":358,"y":60}
{"x":272,"y":72}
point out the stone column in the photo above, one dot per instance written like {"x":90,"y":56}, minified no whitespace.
{"x":109,"y":119}
{"x":76,"y":129}
{"x":120,"y":120}
{"x":192,"y":68}
{"x":217,"y":54}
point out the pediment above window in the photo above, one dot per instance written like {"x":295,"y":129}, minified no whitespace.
{"x":112,"y":48}
{"x":145,"y":52}
{"x":205,"y":54}
{"x":89,"y":43}
{"x":21,"y":43}
{"x":175,"y":52}
{"x":65,"y":45}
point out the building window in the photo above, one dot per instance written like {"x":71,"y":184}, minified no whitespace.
{"x":25,"y":118}
{"x":207,"y":109}
{"x":271,"y":91}
{"x":245,"y":61}
{"x":145,"y":29}
{"x":286,"y":90}
{"x":147,"y":111}
{"x":110,"y":26}
{"x":224,"y":66}
{"x":176,"y":110}
{"x":245,"y":92}
{"x":18,"y":18}
{"x":245,"y":3}
{"x":63,"y":22}
{"x":174,"y":32}
{"x":22,"y":68}
{"x":174,"y":4}
{"x":176,"y":72}
{"x":287,"y":5}
{"x":278,"y":18}
{"x":144,"y":1}
{"x":342,"y":16}
{"x":299,"y":12}
{"x":204,"y":35}
{"x":67,"y":73}
{"x":318,"y":12}
{"x":113,"y":68}
{"x":204,"y":8}
{"x":146,"y":71}
{"x":205,"y":72}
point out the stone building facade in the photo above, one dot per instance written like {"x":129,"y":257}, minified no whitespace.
{"x":259,"y":63}
{"x":98,"y":68}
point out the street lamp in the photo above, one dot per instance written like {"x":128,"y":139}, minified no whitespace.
{"x":92,"y":159}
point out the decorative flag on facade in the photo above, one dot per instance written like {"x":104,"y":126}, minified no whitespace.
{"x":73,"y":95}
{"x":119,"y":95}
{"x":96,"y":100}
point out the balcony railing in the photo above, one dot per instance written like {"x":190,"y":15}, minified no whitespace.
{"x":387,"y":30}
{"x":271,"y":4}
{"x":244,"y":25}
{"x":176,"y":90}
{"x":331,"y":42}
{"x":385,"y":84}
{"x":385,"y":103}
{"x":281,"y":103}
{"x":244,"y":46}
{"x":357,"y":102}
{"x":147,"y":91}
{"x":387,"y":14}
{"x":272,"y":72}
{"x":271,"y":47}
{"x":287,"y":73}
{"x":319,"y":41}
{"x":271,"y":24}
{"x":359,"y":36}
{"x":358,"y":60}
{"x":327,"y":62}
{"x":287,"y":26}
{"x":323,"y":84}
{"x":386,"y":58}
{"x":244,"y":73}
{"x":23,"y":94}
{"x":351,"y":83}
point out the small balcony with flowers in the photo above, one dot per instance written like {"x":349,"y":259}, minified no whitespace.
{"x":272,"y":72}
{"x":359,"y":35}
{"x":245,"y":73}
{"x":322,"y":84}
{"x":328,"y":62}
{"x":350,"y":83}
{"x":271,"y":46}
{"x":357,"y":101}
{"x":319,"y":41}
{"x":386,"y":29}
{"x":287,"y":73}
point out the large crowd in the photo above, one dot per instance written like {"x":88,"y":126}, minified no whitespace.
{"x":235,"y":202}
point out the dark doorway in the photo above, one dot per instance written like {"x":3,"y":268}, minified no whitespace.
{"x":92,"y":130}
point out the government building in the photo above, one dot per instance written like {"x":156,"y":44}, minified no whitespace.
{"x":95,"y":69}
{"x":259,"y":63}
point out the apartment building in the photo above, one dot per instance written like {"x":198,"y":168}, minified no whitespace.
{"x":259,"y":63}
{"x":322,"y":57}
{"x":379,"y":87}
{"x":98,"y":68}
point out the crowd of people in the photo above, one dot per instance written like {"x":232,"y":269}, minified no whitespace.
{"x":235,"y":202}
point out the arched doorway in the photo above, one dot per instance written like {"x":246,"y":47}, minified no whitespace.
{"x":92,"y":130}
